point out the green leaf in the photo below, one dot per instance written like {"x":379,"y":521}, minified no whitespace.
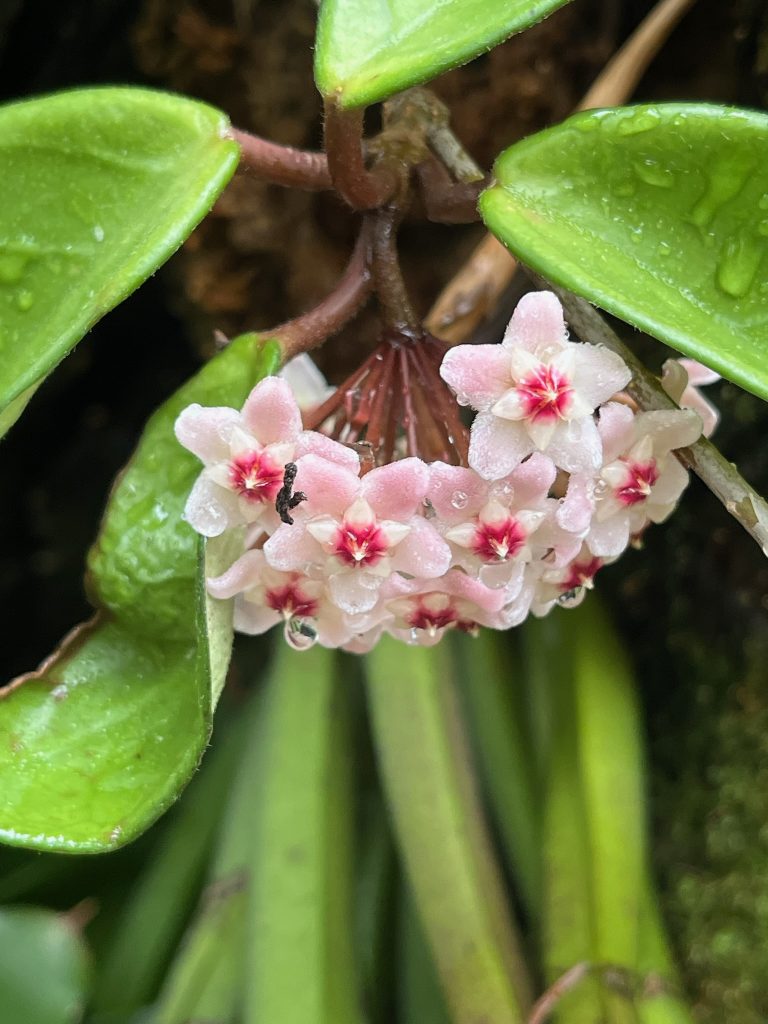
{"x":156,"y":909}
{"x":659,"y":214}
{"x":439,"y":827}
{"x":299,"y":950}
{"x":100,"y":741}
{"x":206,"y":980}
{"x":369,"y":49}
{"x":101,"y":186}
{"x":43,"y":968}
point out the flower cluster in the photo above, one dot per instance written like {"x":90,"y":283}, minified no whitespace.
{"x":563,"y":474}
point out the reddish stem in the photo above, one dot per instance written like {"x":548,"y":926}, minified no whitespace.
{"x":362,"y":188}
{"x":388,"y":282}
{"x":284,"y":165}
{"x":347,"y":298}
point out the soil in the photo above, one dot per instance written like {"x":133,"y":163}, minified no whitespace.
{"x":692,"y":604}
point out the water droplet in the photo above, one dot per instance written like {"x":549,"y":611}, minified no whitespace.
{"x":60,"y":692}
{"x":25,"y":300}
{"x":762,"y":228}
{"x":98,"y":232}
{"x":653,"y":173}
{"x":299,"y":633}
{"x":12,"y":266}
{"x":724,"y":181}
{"x":739,"y":260}
{"x":413,"y":636}
{"x":637,"y":121}
{"x":600,"y":489}
{"x":570,"y":598}
{"x":763,"y":202}
{"x":459,"y":499}
{"x":549,"y":351}
{"x":636,"y":233}
{"x":663,"y":249}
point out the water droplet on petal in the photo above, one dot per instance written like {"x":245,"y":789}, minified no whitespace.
{"x":601,"y":489}
{"x":459,"y":499}
{"x":299,"y":633}
{"x":413,"y":636}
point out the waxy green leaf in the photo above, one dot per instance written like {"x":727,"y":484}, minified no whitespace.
{"x":369,"y":49}
{"x":98,"y":742}
{"x":439,"y":827}
{"x":300,"y":964}
{"x":100,"y":187}
{"x":43,"y":968}
{"x":659,"y":214}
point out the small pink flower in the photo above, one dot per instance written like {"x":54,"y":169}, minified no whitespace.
{"x":245,"y":455}
{"x":536,"y":391}
{"x":642,"y":480}
{"x":427,"y":608}
{"x":360,"y":531}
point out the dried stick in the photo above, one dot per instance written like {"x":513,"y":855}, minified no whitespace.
{"x":476,"y":288}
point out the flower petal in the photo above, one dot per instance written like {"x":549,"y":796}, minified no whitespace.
{"x":496,"y":447}
{"x":291,"y":549}
{"x":310,"y":442}
{"x":242,"y":575}
{"x":253,"y":619}
{"x":479,"y":374}
{"x":537,"y":324}
{"x":609,"y":538}
{"x":576,"y":446}
{"x":330,"y":488}
{"x":599,"y":374}
{"x":454,"y":492}
{"x":396,"y":491}
{"x":616,"y":427}
{"x":206,"y":431}
{"x":423,"y":552}
{"x":210,"y":509}
{"x":271,"y":413}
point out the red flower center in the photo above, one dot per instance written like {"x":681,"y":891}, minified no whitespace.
{"x":359,"y":544}
{"x":641,"y":476}
{"x":581,"y":575}
{"x":432,"y":619}
{"x":256,"y":477}
{"x":546,"y":394}
{"x":290,"y":600}
{"x":498,"y":542}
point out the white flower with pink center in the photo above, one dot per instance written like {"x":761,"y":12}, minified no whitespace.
{"x":358,"y":532}
{"x":569,"y":584}
{"x":492,"y":524}
{"x":265,"y":598}
{"x":425,"y":609}
{"x":535,"y":391}
{"x":641,"y":480}
{"x":245,"y":454}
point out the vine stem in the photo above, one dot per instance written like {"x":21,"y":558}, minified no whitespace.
{"x":309,"y":330}
{"x":722,"y":477}
{"x":398,"y":313}
{"x":478,"y":285}
{"x":362,"y":188}
{"x":284,"y":165}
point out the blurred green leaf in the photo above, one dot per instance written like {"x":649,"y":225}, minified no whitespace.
{"x":102,"y":185}
{"x":300,"y":965}
{"x":420,"y":999}
{"x":659,"y":214}
{"x":98,"y":743}
{"x":369,"y":49}
{"x":492,"y":696}
{"x":439,"y":828}
{"x":155,"y":911}
{"x":43,"y":968}
{"x":206,"y":980}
